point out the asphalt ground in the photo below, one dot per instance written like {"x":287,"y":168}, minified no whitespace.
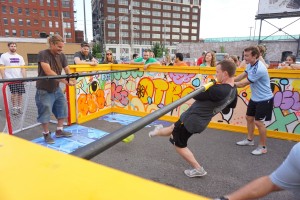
{"x":229,"y":166}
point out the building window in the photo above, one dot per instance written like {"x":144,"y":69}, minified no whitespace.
{"x":156,"y":5}
{"x":21,"y":22}
{"x":111,"y":9}
{"x":177,"y":1}
{"x":111,"y":2}
{"x":185,"y":37}
{"x":193,"y":38}
{"x":123,"y":2}
{"x":123,"y":10}
{"x":146,"y":28}
{"x":14,"y":33}
{"x":11,"y":10}
{"x":176,"y":37}
{"x":36,"y":21}
{"x":176,"y":15}
{"x":136,"y":4}
{"x":29,"y":33}
{"x":166,"y":14}
{"x":136,"y":19}
{"x":5,"y":21}
{"x":111,"y":34}
{"x":56,"y":25}
{"x":26,"y":1}
{"x":176,"y":30}
{"x":21,"y":33}
{"x":3,"y":9}
{"x":43,"y":23}
{"x":27,"y":11}
{"x":12,"y":21}
{"x":34,"y":11}
{"x":156,"y":36}
{"x":185,"y":30}
{"x":145,"y":20}
{"x":156,"y":21}
{"x":184,"y":23}
{"x":194,"y":30}
{"x":68,"y":35}
{"x":176,"y":8}
{"x":196,"y":2}
{"x":194,"y":24}
{"x":66,"y":14}
{"x":185,"y":16}
{"x":145,"y":5}
{"x":145,"y":35}
{"x":166,"y":7}
{"x":156,"y":28}
{"x":19,"y":10}
{"x":166,"y":21}
{"x":124,"y":26}
{"x":177,"y":23}
{"x":41,"y":2}
{"x":55,"y":13}
{"x":66,"y":4}
{"x":156,"y":13}
{"x":195,"y":17}
{"x":6,"y":32}
{"x":42,"y":13}
{"x":112,"y":26}
{"x":195,"y":10}
{"x":55,"y":3}
{"x":33,"y":60}
{"x":49,"y":13}
{"x":28,"y":22}
{"x":48,"y":3}
{"x":186,"y":9}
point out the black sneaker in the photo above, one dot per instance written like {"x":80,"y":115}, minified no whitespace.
{"x":48,"y":138}
{"x":61,"y":133}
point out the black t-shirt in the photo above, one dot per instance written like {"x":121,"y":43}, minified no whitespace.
{"x":207,"y":104}
{"x":81,"y":56}
{"x":57,"y":63}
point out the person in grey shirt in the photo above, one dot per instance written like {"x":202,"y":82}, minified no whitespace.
{"x":195,"y":119}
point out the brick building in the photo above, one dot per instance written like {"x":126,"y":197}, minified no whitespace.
{"x":129,"y":26}
{"x":37,"y":18}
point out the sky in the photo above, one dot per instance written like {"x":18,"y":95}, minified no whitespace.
{"x":219,"y":18}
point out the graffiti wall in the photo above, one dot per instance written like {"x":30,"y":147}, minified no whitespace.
{"x":144,"y":92}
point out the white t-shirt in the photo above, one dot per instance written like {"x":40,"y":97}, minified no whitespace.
{"x":8,"y":59}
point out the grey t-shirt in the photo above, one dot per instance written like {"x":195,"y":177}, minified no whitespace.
{"x":207,"y":104}
{"x":287,"y":175}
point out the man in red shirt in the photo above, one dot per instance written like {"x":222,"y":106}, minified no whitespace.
{"x":200,"y":60}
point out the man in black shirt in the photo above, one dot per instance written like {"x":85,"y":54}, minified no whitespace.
{"x":197,"y":117}
{"x":84,"y":56}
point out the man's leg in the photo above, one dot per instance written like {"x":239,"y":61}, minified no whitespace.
{"x":262,"y":132}
{"x":188,"y":156}
{"x":160,"y":131}
{"x":250,"y":127}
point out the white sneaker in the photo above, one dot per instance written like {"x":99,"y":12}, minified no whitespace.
{"x":195,"y":172}
{"x":154,"y":132}
{"x":259,"y":151}
{"x":245,"y":142}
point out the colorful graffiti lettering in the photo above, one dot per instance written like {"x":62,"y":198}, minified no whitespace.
{"x":179,"y":79}
{"x":287,"y":100}
{"x":119,"y":94}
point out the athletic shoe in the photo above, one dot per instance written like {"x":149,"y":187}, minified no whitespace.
{"x":154,"y":132}
{"x":20,"y":110}
{"x":14,"y":111}
{"x":61,"y":133}
{"x":245,"y":142}
{"x":195,"y":172}
{"x":48,"y":138}
{"x":259,"y":151}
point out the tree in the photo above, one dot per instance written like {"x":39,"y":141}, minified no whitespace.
{"x":96,"y":51}
{"x":158,"y":50}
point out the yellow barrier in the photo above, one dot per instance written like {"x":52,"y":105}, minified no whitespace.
{"x":31,"y":172}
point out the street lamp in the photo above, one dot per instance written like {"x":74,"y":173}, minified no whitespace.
{"x":180,"y":37}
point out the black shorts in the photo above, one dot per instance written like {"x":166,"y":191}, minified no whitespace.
{"x":262,"y":110}
{"x":16,"y":88}
{"x":180,"y":135}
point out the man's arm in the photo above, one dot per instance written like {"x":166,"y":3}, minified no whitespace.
{"x":242,"y":83}
{"x":72,"y":81}
{"x":2,"y":71}
{"x":154,"y":63}
{"x":258,"y":188}
{"x":77,"y":61}
{"x":240,"y":77}
{"x":23,"y":71}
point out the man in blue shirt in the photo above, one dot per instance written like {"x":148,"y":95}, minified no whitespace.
{"x":261,"y":103}
{"x":285,"y":177}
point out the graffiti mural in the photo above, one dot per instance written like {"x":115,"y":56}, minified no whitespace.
{"x":146,"y":92}
{"x":93,"y":94}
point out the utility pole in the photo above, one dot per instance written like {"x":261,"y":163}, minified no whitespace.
{"x":250,"y":32}
{"x":84,"y":21}
{"x":63,"y":27}
{"x":131,"y":26}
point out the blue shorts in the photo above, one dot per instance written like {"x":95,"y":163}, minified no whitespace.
{"x":50,"y":102}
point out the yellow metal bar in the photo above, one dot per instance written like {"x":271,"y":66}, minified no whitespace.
{"x":32,"y":172}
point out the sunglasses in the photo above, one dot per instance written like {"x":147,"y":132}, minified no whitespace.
{"x":108,"y":54}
